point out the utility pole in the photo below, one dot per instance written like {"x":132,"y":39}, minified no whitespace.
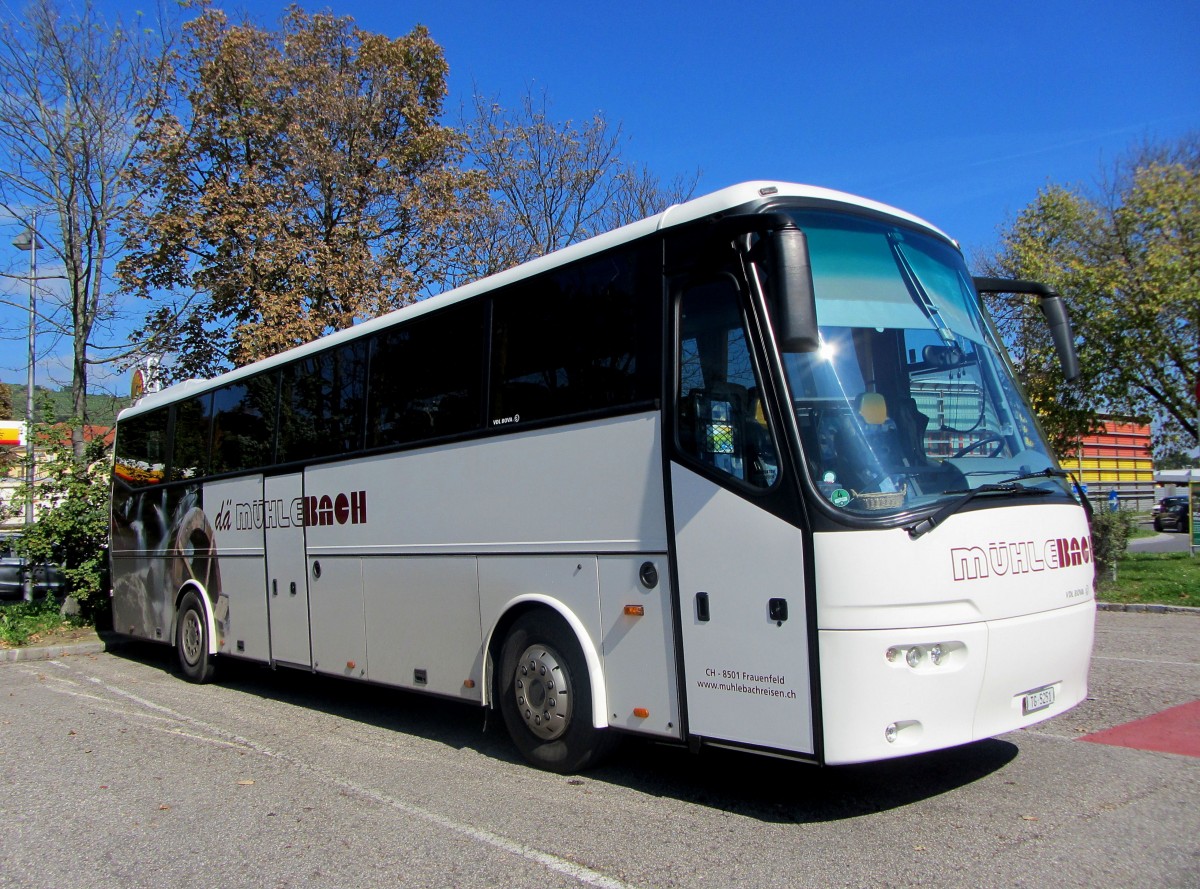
{"x":27,"y":240}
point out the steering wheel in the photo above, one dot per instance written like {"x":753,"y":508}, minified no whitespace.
{"x":997,"y":440}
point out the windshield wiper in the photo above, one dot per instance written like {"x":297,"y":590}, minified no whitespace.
{"x":1012,"y":488}
{"x":917,"y":291}
{"x":1048,"y":472}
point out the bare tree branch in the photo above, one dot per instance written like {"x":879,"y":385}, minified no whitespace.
{"x":77,"y":92}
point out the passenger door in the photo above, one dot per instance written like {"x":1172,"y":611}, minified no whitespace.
{"x":287,"y":574}
{"x":740,"y":566}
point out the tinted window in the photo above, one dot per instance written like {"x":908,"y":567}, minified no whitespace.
{"x":244,"y":424}
{"x":322,"y":403}
{"x":426,"y":378}
{"x":584,"y":338}
{"x":141,"y":448}
{"x":193,"y":422}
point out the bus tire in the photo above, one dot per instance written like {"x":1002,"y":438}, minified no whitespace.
{"x":545,"y":696}
{"x":191,"y":640}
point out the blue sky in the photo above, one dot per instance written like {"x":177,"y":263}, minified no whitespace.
{"x":957,"y":112}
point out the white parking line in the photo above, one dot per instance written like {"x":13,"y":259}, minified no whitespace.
{"x":1138,"y":660}
{"x":578,"y":872}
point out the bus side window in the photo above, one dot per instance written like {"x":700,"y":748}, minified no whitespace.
{"x":193,"y":426}
{"x":141,"y":449}
{"x":721,"y":420}
{"x":583,"y":339}
{"x":322,"y":403}
{"x":426,"y":378}
{"x":244,"y":424}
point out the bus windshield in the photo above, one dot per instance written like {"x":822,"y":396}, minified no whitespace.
{"x":909,"y":401}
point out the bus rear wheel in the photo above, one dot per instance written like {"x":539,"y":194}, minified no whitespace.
{"x":545,"y":696}
{"x":191,"y":641}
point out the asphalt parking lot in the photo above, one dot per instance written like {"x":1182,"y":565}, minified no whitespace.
{"x":117,"y":772}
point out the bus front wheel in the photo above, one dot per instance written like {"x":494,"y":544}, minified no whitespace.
{"x":191,"y":641}
{"x":545,"y":696}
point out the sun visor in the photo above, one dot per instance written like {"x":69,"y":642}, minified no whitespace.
{"x":858,"y":284}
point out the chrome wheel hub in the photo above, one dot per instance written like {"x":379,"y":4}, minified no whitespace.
{"x":191,"y":638}
{"x":542,"y":688}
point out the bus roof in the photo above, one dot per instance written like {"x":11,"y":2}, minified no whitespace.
{"x":722,"y":201}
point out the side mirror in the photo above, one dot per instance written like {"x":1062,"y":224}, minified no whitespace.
{"x":1053,"y":308}
{"x":1055,"y":311}
{"x":794,"y":300}
{"x":790,"y":292}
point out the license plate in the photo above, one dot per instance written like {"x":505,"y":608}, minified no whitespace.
{"x":1037,"y":700}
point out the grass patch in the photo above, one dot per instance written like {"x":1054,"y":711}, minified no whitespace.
{"x":1154,"y":579}
{"x":23,"y":622}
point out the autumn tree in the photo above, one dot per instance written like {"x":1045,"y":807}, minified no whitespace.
{"x":552,"y":183}
{"x":77,"y":91}
{"x":1127,"y":260}
{"x":306,"y":184}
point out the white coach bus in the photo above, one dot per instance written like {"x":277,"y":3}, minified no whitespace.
{"x":754,"y":472}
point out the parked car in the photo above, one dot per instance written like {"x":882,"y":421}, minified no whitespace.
{"x":1166,"y":501}
{"x":1173,"y":516}
{"x":47,"y":577}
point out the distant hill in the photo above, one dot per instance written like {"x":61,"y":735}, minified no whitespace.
{"x":102,"y":409}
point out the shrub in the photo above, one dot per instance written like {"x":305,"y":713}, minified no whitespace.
{"x":72,"y":522}
{"x":22,"y":621}
{"x":1110,"y":536}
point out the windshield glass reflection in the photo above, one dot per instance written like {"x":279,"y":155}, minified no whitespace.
{"x":909,"y":400}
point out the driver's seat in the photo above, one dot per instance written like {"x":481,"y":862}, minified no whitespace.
{"x":911,"y":424}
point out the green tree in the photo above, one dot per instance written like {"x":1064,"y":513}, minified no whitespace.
{"x":1173,"y":459}
{"x":1047,"y":242}
{"x":306,"y":184}
{"x":1127,"y":260}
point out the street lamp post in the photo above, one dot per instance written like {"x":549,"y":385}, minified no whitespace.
{"x":28,"y":240}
